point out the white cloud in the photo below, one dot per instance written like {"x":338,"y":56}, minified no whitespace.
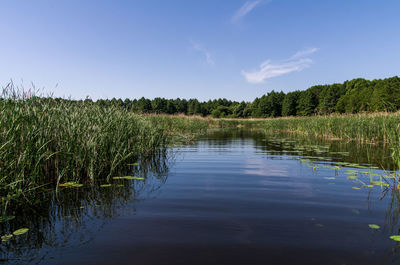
{"x":206,"y":53}
{"x":297,"y":62}
{"x":304,"y":53}
{"x":244,"y":10}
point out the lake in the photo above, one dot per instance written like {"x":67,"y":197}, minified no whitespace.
{"x":233,"y":197}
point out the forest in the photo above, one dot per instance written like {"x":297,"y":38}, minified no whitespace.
{"x":354,"y":96}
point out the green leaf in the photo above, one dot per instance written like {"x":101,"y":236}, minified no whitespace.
{"x":127,"y":177}
{"x":356,"y":188}
{"x":6,"y":238}
{"x":395,"y":238}
{"x":352,"y":177}
{"x":373,"y":226}
{"x":6,"y":218}
{"x":105,"y":185}
{"x":71,"y":184}
{"x":20,"y":231}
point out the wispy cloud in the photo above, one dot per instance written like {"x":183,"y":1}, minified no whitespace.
{"x":297,"y":62}
{"x":245,"y":9}
{"x":304,"y":53}
{"x":209,"y":59}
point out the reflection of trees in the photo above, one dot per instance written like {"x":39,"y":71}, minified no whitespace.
{"x":302,"y":145}
{"x":73,"y":216}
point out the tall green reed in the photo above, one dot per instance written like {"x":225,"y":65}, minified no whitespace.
{"x":48,"y":141}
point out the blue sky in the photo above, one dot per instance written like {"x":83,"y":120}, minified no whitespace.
{"x":201,"y":49}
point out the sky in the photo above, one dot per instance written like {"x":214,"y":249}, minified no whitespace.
{"x":204,"y":49}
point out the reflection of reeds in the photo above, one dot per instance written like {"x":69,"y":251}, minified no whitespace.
{"x":73,"y":217}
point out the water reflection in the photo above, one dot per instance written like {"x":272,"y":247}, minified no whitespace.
{"x":72,"y":217}
{"x":295,"y":145}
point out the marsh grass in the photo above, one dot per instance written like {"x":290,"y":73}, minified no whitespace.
{"x":369,"y":128}
{"x":47,"y":141}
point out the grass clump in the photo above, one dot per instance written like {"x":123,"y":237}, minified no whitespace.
{"x":53,"y":141}
{"x":378,"y":127}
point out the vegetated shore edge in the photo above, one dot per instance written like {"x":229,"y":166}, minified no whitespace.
{"x":380,"y":127}
{"x":45,"y":142}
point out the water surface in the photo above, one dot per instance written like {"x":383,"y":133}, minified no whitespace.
{"x":234,"y":197}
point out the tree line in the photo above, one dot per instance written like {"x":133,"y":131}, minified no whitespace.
{"x":354,"y":96}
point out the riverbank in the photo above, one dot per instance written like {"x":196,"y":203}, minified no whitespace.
{"x":380,"y":127}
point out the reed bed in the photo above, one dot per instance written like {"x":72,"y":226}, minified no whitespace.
{"x":50,"y":141}
{"x":379,"y":127}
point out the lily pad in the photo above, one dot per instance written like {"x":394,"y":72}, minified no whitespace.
{"x":71,"y":184}
{"x":352,"y":177}
{"x":356,"y":188}
{"x":395,"y":238}
{"x":368,"y":186}
{"x":20,"y":231}
{"x":374,"y":226}
{"x":6,"y":238}
{"x":127,"y":177}
{"x":105,"y":185}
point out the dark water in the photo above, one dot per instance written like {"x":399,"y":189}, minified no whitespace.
{"x":232,"y":198}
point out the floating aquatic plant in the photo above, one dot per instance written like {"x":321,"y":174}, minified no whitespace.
{"x":20,"y":231}
{"x":395,"y":238}
{"x":128,"y":177}
{"x":6,"y":237}
{"x":71,"y":184}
